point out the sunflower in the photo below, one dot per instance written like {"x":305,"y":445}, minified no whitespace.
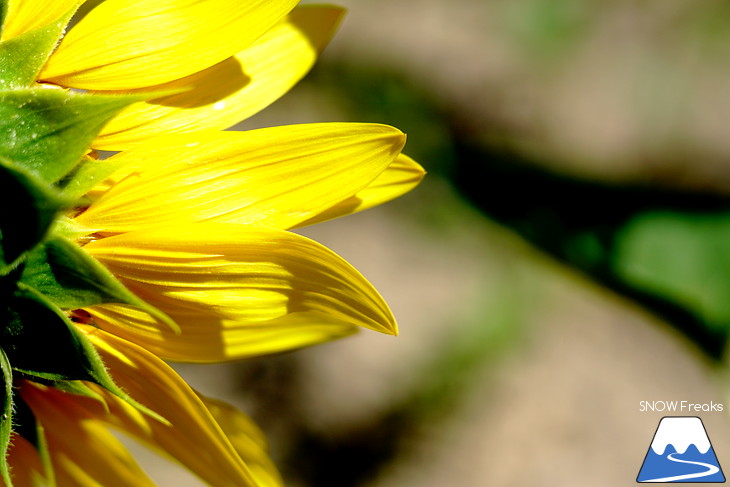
{"x":180,"y":246}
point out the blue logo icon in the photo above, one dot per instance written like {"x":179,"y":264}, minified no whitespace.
{"x":681,"y":452}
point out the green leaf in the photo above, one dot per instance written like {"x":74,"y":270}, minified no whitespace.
{"x":71,"y":279}
{"x":28,"y":210}
{"x":42,"y":343}
{"x":23,"y":57}
{"x":6,"y":422}
{"x":47,"y":131}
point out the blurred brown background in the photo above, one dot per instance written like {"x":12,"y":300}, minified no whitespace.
{"x":564,"y":260}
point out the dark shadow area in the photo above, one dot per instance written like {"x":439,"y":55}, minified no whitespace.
{"x":351,"y":458}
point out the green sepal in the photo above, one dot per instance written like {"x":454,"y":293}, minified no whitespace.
{"x":47,"y":131}
{"x":26,"y":425}
{"x":6,"y":420}
{"x":23,"y":57}
{"x":43,"y":344}
{"x":88,"y":174}
{"x":70,"y":278}
{"x":29,"y":208}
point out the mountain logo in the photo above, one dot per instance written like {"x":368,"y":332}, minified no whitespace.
{"x":681,"y":452}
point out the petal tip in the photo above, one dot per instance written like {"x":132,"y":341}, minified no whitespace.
{"x":389,"y":326}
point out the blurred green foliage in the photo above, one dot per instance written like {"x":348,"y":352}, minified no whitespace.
{"x":682,"y":257}
{"x":549,"y":29}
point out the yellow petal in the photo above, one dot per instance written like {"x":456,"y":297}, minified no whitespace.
{"x":211,"y":339}
{"x":232,"y":90}
{"x":235,"y":291}
{"x":25,"y":15}
{"x":402,"y":175}
{"x":248,"y":440}
{"x":192,"y":435}
{"x":83,"y":452}
{"x":127,"y":44}
{"x":277,"y":177}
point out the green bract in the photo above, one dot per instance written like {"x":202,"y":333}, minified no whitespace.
{"x":44,"y":135}
{"x":46,"y":131}
{"x":40,"y":341}
{"x":72,"y":279}
{"x":6,"y":404}
{"x":29,"y":207}
{"x":22,"y":57}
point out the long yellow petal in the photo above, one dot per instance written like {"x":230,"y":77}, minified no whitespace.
{"x":232,"y":90}
{"x":248,"y":440}
{"x":402,"y":175}
{"x":83,"y":452}
{"x":277,"y":177}
{"x":192,"y":435}
{"x":127,"y":44}
{"x":235,"y":291}
{"x":25,"y":15}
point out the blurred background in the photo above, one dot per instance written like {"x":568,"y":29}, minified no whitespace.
{"x":567,"y":256}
